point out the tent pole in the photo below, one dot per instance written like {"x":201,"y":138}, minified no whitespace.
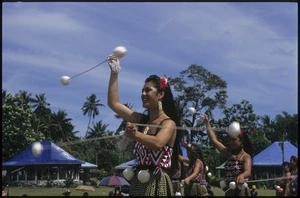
{"x":35,"y":173}
{"x":282,"y":147}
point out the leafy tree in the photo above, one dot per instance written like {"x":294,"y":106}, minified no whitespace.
{"x":199,"y":88}
{"x":101,"y":141}
{"x":90,"y":107}
{"x":180,"y":108}
{"x":212,"y":158}
{"x":245,"y":115}
{"x":286,"y":127}
{"x":108,"y":160}
{"x":242,"y":113}
{"x":17,"y":132}
{"x":79,"y":149}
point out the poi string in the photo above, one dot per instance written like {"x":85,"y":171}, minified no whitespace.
{"x":270,"y":179}
{"x":149,"y":125}
{"x":275,"y":178}
{"x":262,"y":180}
{"x":119,"y":52}
{"x":181,"y":128}
{"x":87,"y":140}
{"x":89,"y":69}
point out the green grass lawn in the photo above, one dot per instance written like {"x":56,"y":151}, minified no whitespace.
{"x":45,"y":191}
{"x":270,"y":193}
{"x":100,"y":191}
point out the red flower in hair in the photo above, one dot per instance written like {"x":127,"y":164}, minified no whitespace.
{"x":163,"y":83}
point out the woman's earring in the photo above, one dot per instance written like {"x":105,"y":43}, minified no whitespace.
{"x":159,"y":105}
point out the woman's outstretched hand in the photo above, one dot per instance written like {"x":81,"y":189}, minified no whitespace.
{"x":130,"y":130}
{"x":205,"y":120}
{"x":114,"y":64}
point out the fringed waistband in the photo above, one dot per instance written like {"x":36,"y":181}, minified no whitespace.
{"x":157,"y":171}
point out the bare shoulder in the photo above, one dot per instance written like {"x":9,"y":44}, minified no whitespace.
{"x":167,"y":122}
{"x":200,"y":162}
{"x":245,"y":157}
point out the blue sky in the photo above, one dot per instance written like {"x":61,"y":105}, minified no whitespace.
{"x":252,"y":46}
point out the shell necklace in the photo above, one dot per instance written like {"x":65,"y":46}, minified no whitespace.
{"x":147,"y":128}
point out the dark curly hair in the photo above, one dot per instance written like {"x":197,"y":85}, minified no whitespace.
{"x":247,"y":146}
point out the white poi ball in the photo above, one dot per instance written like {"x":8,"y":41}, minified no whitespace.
{"x":120,"y":51}
{"x":244,"y":185}
{"x":234,"y":129}
{"x":223,"y":184}
{"x":209,"y":174}
{"x":192,"y":110}
{"x":201,"y":119}
{"x":206,"y":168}
{"x":128,"y":173}
{"x":232,"y":185}
{"x":37,"y":149}
{"x":65,"y":80}
{"x":177,"y":194}
{"x":144,"y":176}
{"x":280,"y":189}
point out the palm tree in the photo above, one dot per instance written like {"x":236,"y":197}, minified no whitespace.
{"x":287,"y":127}
{"x":98,"y":147}
{"x":39,"y":103}
{"x":98,"y":130}
{"x":268,"y":127}
{"x":41,"y":107}
{"x":90,"y":107}
{"x":61,"y":127}
{"x":25,"y":96}
{"x":5,"y":95}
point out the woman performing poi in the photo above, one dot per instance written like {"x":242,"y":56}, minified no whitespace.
{"x":155,"y":147}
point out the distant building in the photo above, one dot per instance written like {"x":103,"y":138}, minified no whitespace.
{"x":54,"y":165}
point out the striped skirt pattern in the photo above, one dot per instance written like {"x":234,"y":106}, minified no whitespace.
{"x":156,"y":186}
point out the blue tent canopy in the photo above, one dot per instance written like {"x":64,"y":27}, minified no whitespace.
{"x":127,"y":164}
{"x":52,"y":154}
{"x":184,"y":152}
{"x":272,"y":155}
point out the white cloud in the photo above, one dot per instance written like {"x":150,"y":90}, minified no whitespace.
{"x":255,"y":55}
